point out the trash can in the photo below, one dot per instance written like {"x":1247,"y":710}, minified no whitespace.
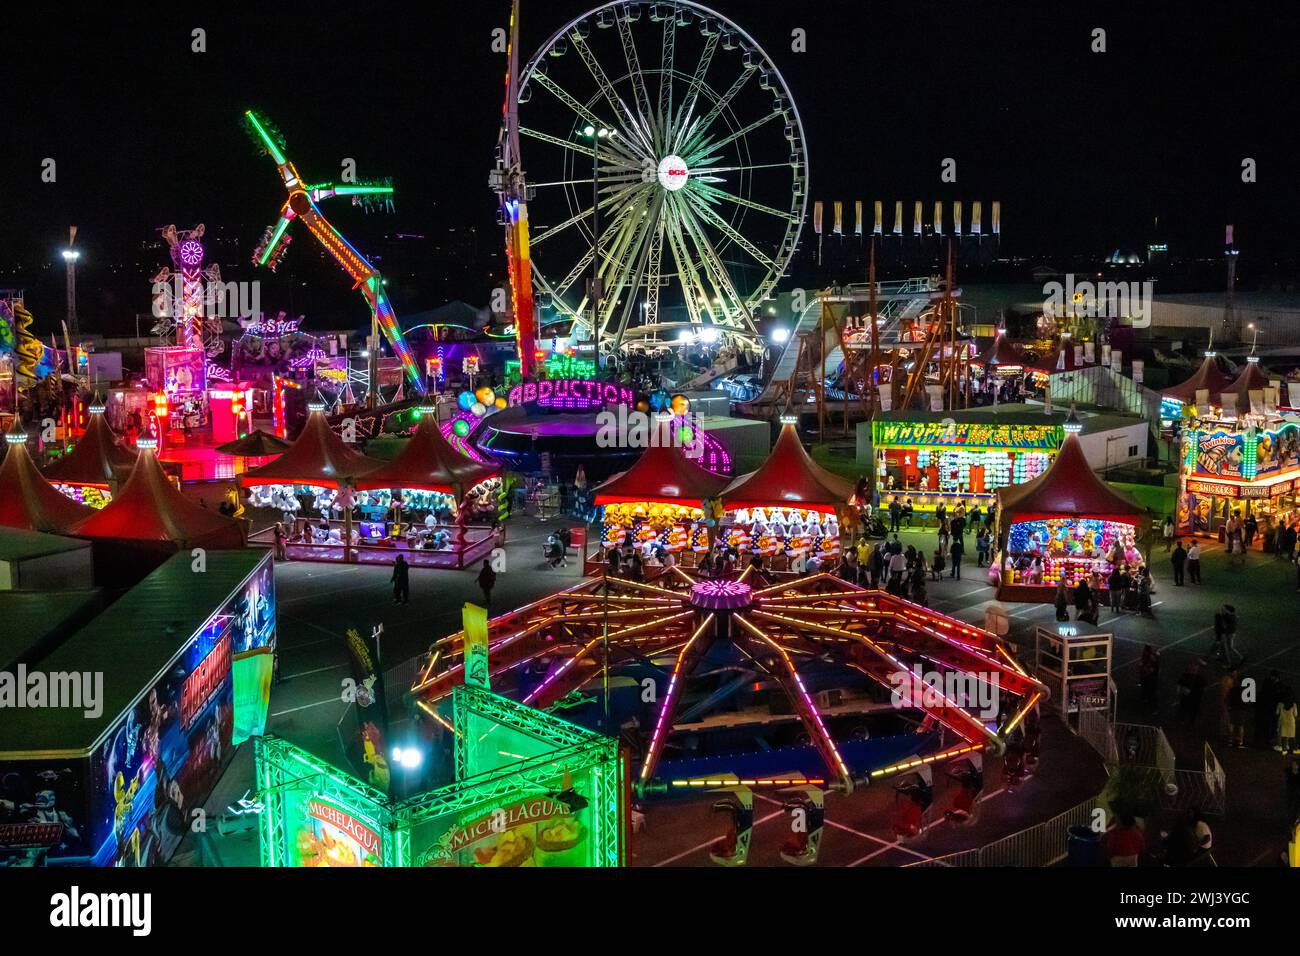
{"x":1083,"y":847}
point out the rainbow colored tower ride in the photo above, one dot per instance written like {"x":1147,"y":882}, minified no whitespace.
{"x":301,"y":204}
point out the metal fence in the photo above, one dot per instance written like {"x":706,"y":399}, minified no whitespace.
{"x":1044,"y":844}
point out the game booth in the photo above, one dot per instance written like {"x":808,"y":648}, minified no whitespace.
{"x":1244,"y":467}
{"x":1063,"y":525}
{"x":27,"y":501}
{"x":822,"y":685}
{"x":788,"y":509}
{"x":931,"y":459}
{"x":187,"y":661}
{"x":93,"y":471}
{"x":435,"y":488}
{"x":429,"y":476}
{"x":659,"y":503}
{"x":530,"y":790}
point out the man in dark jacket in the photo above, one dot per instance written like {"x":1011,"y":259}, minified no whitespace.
{"x":1179,"y":560}
{"x":401,"y":580}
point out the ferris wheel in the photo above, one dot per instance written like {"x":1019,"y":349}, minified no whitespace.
{"x":665,"y":155}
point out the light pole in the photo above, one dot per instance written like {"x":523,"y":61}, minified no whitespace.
{"x":595,"y":134}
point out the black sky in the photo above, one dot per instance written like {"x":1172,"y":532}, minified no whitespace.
{"x":1083,"y":149}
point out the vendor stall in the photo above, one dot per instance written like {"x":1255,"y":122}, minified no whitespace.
{"x":424,"y":499}
{"x":530,"y":790}
{"x":655,"y":506}
{"x":931,"y":459}
{"x":1246,"y":466}
{"x":788,"y":509}
{"x":1064,"y":525}
{"x":97,"y":465}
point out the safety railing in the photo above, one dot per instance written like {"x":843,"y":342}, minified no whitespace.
{"x":1044,"y":844}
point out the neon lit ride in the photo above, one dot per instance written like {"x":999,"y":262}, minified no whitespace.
{"x":302,"y":204}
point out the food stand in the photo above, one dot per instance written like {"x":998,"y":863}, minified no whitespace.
{"x":530,"y":790}
{"x":935,"y":458}
{"x":1248,"y":466}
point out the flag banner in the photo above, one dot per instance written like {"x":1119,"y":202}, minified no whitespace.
{"x":857,"y":217}
{"x":880,"y":218}
{"x":817,"y":217}
{"x":474,"y":619}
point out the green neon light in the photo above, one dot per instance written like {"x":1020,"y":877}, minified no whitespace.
{"x":273,"y":149}
{"x":280,"y":228}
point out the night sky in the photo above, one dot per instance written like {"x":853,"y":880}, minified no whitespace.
{"x":1083,"y":149}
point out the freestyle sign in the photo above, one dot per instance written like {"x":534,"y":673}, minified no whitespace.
{"x":968,"y":435}
{"x":570,"y":393}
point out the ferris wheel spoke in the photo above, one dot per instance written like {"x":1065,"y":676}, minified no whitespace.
{"x":677,"y":248}
{"x":702,"y":208}
{"x":693,"y":89}
{"x":636,"y":76}
{"x":667,"y":52}
{"x":702,"y":127}
{"x":565,"y":97}
{"x":732,"y":303}
{"x":607,"y":90}
{"x":653,"y":272}
{"x":728,"y":140}
{"x":641,"y":252}
{"x":609,"y":201}
{"x":713,"y":192}
{"x":697,"y":289}
{"x":622,"y":260}
{"x":578,"y":148}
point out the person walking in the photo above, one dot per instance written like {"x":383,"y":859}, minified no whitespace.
{"x":1115,"y":584}
{"x":1082,"y":599}
{"x":955,"y":551}
{"x":1270,"y":695}
{"x":1062,"y":601}
{"x":1194,"y":563}
{"x":895,"y":513}
{"x":945,"y":534}
{"x":897,"y":566}
{"x":487,"y":580}
{"x":981,"y":547}
{"x":1235,"y":707}
{"x":1225,"y":632}
{"x":401,"y":581}
{"x":1191,"y":691}
{"x":1286,"y":718}
{"x":1179,"y":560}
{"x":281,"y":546}
{"x":1149,"y":677}
{"x":1167,"y":531}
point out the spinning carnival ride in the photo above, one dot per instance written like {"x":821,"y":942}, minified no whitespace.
{"x":301,"y":204}
{"x":785,"y":629}
{"x":666,"y":149}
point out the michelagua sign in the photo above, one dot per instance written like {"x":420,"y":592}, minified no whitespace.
{"x":538,"y":831}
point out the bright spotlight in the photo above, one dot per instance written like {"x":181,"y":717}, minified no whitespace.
{"x":780,"y":335}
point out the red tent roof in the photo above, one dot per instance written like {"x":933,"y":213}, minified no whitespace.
{"x":317,"y":457}
{"x":28,"y":501}
{"x":150,"y":508}
{"x":1001,"y":349}
{"x":429,"y":463}
{"x":1208,"y":376}
{"x":788,"y":479}
{"x":664,"y":475}
{"x":1250,"y":377}
{"x":97,"y":459}
{"x":1068,"y":488}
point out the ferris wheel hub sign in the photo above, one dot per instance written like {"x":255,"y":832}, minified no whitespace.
{"x":673,"y":173}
